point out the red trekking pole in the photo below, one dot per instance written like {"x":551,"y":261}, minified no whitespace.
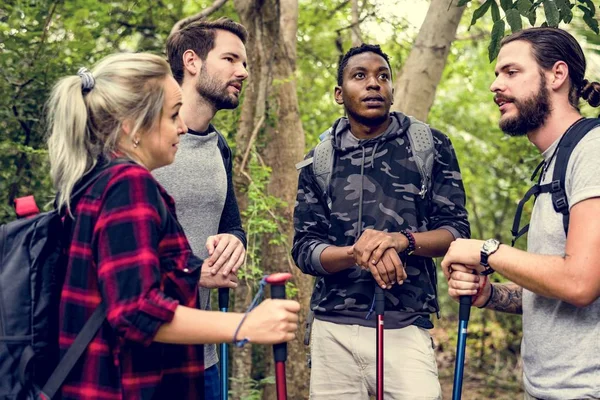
{"x":277,"y":282}
{"x":379,"y":311}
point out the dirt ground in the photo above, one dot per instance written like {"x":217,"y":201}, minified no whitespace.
{"x":478,"y":389}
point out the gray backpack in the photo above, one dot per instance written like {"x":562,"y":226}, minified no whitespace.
{"x":421,"y":143}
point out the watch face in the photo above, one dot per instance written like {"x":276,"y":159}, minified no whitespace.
{"x":490,"y":245}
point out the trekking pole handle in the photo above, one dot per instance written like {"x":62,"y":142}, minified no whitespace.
{"x":464,"y":310}
{"x":277,"y":282}
{"x":379,"y":301}
{"x":223,"y":298}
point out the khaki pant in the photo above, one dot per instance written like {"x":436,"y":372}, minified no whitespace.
{"x":527,"y":396}
{"x":344,"y":363}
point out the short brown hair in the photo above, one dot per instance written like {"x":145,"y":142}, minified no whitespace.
{"x":198,"y":36}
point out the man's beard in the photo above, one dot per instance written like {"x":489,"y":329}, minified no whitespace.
{"x":214,"y":92}
{"x":532,"y":112}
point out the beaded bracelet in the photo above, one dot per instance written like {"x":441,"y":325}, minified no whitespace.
{"x":412,"y":245}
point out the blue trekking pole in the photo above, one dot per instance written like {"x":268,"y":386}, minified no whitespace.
{"x":463,"y":321}
{"x":223,"y":349}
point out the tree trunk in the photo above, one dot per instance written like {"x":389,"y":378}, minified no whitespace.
{"x":422,"y":72}
{"x":356,"y":33}
{"x":270,"y":119}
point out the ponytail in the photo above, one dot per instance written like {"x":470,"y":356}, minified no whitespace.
{"x":590,"y":92}
{"x":85,"y":113}
{"x":70,"y":149}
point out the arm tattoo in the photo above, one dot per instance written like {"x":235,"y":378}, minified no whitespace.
{"x":507,"y":298}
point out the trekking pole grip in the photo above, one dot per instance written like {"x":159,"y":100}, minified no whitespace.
{"x":379,"y":301}
{"x":277,"y":282}
{"x":223,"y":298}
{"x":464,"y":310}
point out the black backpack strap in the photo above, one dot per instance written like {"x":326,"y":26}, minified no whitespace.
{"x":79,"y":345}
{"x":515,"y":231}
{"x":565,"y":147}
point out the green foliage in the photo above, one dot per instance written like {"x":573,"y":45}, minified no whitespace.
{"x":41,"y":41}
{"x":555,"y":12}
{"x":497,"y":34}
{"x":252,"y":388}
{"x":552,"y":13}
{"x":565,"y":10}
{"x":513,"y":17}
{"x":480,"y":12}
{"x":495,"y":12}
{"x":259,"y":219}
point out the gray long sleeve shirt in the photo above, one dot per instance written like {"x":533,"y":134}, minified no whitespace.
{"x":200,"y":182}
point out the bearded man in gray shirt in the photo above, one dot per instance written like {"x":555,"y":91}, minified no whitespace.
{"x":208,"y":60}
{"x":539,"y":80}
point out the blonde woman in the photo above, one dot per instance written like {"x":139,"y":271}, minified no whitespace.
{"x":122,"y":253}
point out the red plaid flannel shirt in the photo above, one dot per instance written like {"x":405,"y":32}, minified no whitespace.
{"x":119,"y":254}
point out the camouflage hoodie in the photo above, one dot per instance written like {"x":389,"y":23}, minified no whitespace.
{"x":385,"y":199}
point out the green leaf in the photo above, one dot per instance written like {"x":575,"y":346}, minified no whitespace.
{"x":495,"y":12}
{"x":532,"y":17}
{"x":497,"y":35}
{"x":590,"y":5}
{"x":480,"y":12}
{"x":552,"y":14}
{"x":586,"y":11}
{"x":514,"y":20}
{"x":524,"y":7}
{"x":506,"y":4}
{"x":592,"y":23}
{"x":564,"y":7}
{"x":462,"y":3}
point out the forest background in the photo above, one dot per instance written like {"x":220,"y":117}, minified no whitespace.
{"x":440,"y":52}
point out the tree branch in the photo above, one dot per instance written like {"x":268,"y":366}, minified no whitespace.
{"x":251,"y":143}
{"x":356,"y":32}
{"x":202,"y":14}
{"x":354,"y":24}
{"x":338,"y":8}
{"x":23,"y":124}
{"x":136,"y":27}
{"x":44,"y":32}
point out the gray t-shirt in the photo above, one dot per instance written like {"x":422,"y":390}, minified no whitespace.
{"x":561,"y":342}
{"x":197,"y":180}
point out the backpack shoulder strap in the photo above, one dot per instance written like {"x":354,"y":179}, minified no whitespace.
{"x":421,"y":143}
{"x":75,"y":351}
{"x":565,"y":147}
{"x":322,"y":163}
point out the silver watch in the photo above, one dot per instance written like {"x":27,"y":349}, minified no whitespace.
{"x":488,"y":248}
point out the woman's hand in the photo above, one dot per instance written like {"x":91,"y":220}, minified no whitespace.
{"x":273,"y":321}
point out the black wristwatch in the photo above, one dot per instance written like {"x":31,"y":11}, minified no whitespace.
{"x":488,"y":248}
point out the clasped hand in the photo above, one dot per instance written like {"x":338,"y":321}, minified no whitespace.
{"x":461,"y":268}
{"x":377,"y":252}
